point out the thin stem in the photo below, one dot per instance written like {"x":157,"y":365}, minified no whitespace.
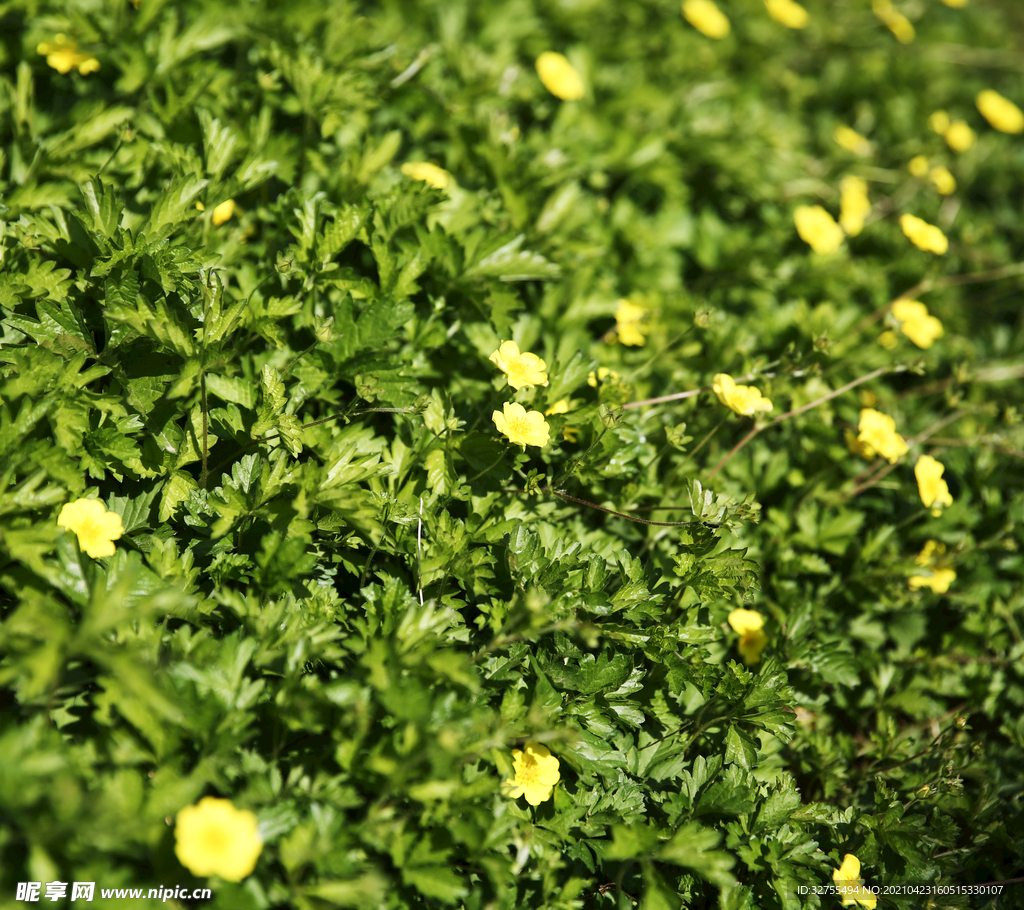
{"x":898,"y":368}
{"x":1006,"y":271}
{"x":643,"y":521}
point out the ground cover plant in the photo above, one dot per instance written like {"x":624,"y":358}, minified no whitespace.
{"x":530,"y":454}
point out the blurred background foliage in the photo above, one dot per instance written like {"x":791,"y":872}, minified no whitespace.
{"x":347,"y":627}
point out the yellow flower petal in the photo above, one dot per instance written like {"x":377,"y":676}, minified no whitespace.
{"x":894,"y":20}
{"x":95,"y":527}
{"x":939,"y":121}
{"x":944,"y":181}
{"x":923,"y":235}
{"x":430,"y":174}
{"x":523,"y":369}
{"x":214,"y":838}
{"x":877,"y":435}
{"x":1001,"y":112}
{"x":559,"y":407}
{"x":536,"y":773}
{"x":743,"y":399}
{"x":916,"y":323}
{"x":630,"y":327}
{"x":918,"y":165}
{"x":959,"y":136}
{"x":787,"y":13}
{"x":223,"y":212}
{"x":851,"y":140}
{"x":559,"y":76}
{"x":854,"y":205}
{"x":939,"y":581}
{"x":706,"y":17}
{"x":817,"y":228}
{"x":522,"y":427}
{"x":847,"y":880}
{"x":933,"y":489}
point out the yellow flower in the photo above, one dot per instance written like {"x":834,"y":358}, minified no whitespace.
{"x":923,"y":235}
{"x":944,"y":181}
{"x":959,"y":137}
{"x":522,"y":427}
{"x":559,"y":76}
{"x":916,"y":323}
{"x":63,"y":55}
{"x":1001,"y":112}
{"x":96,"y":528}
{"x":536,"y":773}
{"x":787,"y":13}
{"x":929,"y":551}
{"x":749,"y":625}
{"x":918,"y":165}
{"x":629,"y":323}
{"x":931,"y":486}
{"x":602,"y":374}
{"x":743,"y":399}
{"x":214,"y":838}
{"x":570,"y":434}
{"x":707,"y":18}
{"x":523,"y":369}
{"x":430,"y":174}
{"x":939,"y":581}
{"x":955,"y":3}
{"x":817,"y":228}
{"x":895,"y":21}
{"x":940,"y":577}
{"x":559,"y":407}
{"x":223,"y":212}
{"x":888,"y":340}
{"x":851,"y":140}
{"x":939,"y":121}
{"x":847,"y":879}
{"x":854,"y":205}
{"x":877,"y":435}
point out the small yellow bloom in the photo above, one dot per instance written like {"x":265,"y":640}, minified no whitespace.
{"x":916,"y":322}
{"x":923,"y":235}
{"x":939,"y":121}
{"x":944,"y":181}
{"x":918,"y":166}
{"x":787,"y":13}
{"x":957,"y":4}
{"x":430,"y":174}
{"x":602,"y":374}
{"x":851,"y":140}
{"x":933,"y":489}
{"x":850,"y":885}
{"x":854,"y":205}
{"x":95,"y":527}
{"x":1001,"y":112}
{"x":929,"y":551}
{"x":630,"y":327}
{"x":522,"y":427}
{"x":707,"y":18}
{"x":559,"y":407}
{"x":868,"y":398}
{"x":214,"y":838}
{"x":570,"y":434}
{"x":888,"y":339}
{"x":523,"y":369}
{"x":749,"y":625}
{"x":223,"y":212}
{"x":536,"y":773}
{"x":817,"y":228}
{"x":877,"y":435}
{"x":959,"y":137}
{"x":63,"y":55}
{"x":939,"y":581}
{"x":559,"y":76}
{"x":743,"y":399}
{"x":894,"y":20}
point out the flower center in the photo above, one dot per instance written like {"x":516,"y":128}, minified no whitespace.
{"x":519,"y":425}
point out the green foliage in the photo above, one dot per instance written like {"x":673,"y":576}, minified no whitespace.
{"x":341,"y":598}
